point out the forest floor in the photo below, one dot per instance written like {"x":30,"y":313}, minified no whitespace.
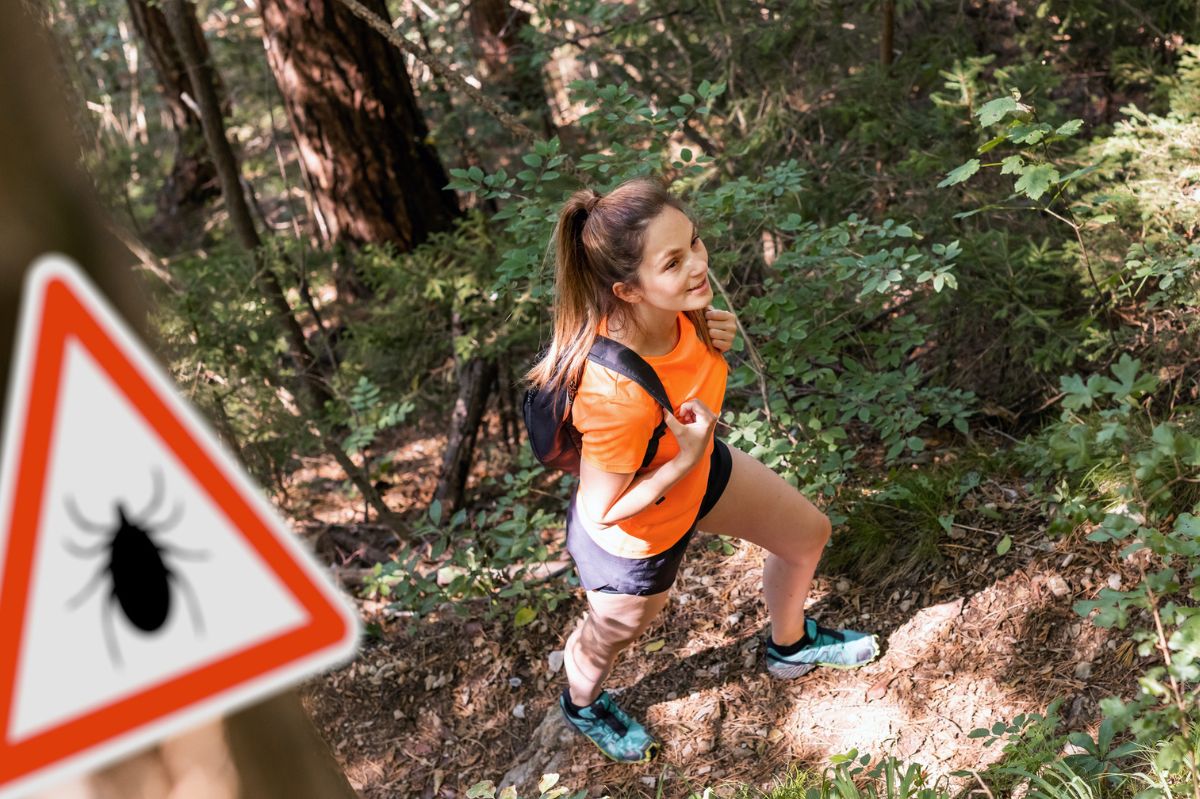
{"x":429,"y":708}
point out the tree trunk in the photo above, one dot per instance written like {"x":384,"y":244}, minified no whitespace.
{"x":193,"y":177}
{"x":47,"y":205}
{"x":497,"y":25}
{"x":475,"y":380}
{"x":887,"y":33}
{"x":364,"y":143}
{"x":315,"y":387}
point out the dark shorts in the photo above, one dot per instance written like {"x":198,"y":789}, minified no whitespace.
{"x":600,"y":570}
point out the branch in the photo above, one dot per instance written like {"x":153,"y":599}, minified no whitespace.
{"x":514,"y":125}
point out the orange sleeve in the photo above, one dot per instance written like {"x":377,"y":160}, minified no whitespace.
{"x":615,"y":427}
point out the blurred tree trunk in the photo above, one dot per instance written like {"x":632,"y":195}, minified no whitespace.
{"x":887,"y":33}
{"x":47,"y":205}
{"x":364,"y":143}
{"x":193,"y":178}
{"x":497,"y":26}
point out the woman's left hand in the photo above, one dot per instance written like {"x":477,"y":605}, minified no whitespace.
{"x":722,"y":328}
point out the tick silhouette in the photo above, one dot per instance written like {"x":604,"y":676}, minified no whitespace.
{"x":141,"y":580}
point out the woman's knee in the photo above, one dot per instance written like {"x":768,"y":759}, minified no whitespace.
{"x":807,"y":538}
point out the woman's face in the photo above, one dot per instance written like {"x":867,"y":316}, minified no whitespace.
{"x":674,"y":270}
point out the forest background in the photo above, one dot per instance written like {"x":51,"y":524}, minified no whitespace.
{"x":960,"y":238}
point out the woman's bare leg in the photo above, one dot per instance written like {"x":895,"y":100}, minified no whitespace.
{"x":612,"y":623}
{"x":763,"y":508}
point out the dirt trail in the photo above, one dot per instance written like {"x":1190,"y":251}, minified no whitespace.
{"x":431,"y":707}
{"x":430,"y":712}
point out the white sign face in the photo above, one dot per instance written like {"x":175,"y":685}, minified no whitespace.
{"x":145,"y":585}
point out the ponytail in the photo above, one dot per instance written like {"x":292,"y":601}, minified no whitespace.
{"x":597,"y":243}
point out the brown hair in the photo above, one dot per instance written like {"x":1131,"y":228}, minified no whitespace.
{"x":598,"y":242}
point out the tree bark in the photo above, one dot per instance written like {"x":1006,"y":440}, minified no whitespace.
{"x":313,"y":381}
{"x":192,"y":181}
{"x":47,"y":205}
{"x":364,"y":143}
{"x":475,"y":380}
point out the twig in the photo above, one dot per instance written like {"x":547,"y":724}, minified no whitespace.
{"x":514,"y":126}
{"x":979,"y":780}
{"x":757,"y":362}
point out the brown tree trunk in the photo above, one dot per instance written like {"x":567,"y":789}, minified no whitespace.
{"x":193,"y":177}
{"x":47,"y":205}
{"x":363,"y":140}
{"x":315,"y":387}
{"x":475,"y":380}
{"x":497,"y":25}
{"x":887,"y":33}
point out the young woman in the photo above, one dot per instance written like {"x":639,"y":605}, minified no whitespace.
{"x":631,"y":266}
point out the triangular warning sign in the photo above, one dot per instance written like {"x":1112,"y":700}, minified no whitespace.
{"x":145,"y":584}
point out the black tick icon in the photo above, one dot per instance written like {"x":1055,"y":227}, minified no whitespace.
{"x":140,"y":578}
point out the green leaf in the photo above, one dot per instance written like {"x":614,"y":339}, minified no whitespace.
{"x":482,"y":790}
{"x":1036,"y":180}
{"x":1029,"y":134}
{"x":685,"y":154}
{"x":1012,"y":165}
{"x":1069,"y":128}
{"x":524,"y":615}
{"x":995,"y":110}
{"x":993,"y":144}
{"x":533,"y":159}
{"x":435,"y":511}
{"x":547,"y":782}
{"x":960,"y":174}
{"x":1004,"y":545}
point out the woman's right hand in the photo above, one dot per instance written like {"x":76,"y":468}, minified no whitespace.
{"x":692,"y":428}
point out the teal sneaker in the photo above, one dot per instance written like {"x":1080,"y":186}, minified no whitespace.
{"x":607,"y":726}
{"x":838,"y":649}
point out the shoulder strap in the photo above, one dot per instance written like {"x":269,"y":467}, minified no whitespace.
{"x":624,"y":361}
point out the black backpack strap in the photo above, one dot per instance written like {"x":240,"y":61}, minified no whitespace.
{"x":624,"y":361}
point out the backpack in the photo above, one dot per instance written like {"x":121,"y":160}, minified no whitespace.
{"x":555,"y":441}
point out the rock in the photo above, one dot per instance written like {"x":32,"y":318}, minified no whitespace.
{"x":1057,"y":585}
{"x":1083,"y":670}
{"x":514,"y":682}
{"x":546,"y":753}
{"x":842,"y":586}
{"x":1114,"y":581}
{"x":555,"y":661}
{"x":519,"y":710}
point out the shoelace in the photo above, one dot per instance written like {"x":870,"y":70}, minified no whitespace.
{"x":836,"y":635}
{"x":603,"y":714}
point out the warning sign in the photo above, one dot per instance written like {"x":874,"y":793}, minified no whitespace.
{"x":145,"y":584}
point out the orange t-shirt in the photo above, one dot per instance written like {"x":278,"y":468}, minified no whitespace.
{"x":616,"y":418}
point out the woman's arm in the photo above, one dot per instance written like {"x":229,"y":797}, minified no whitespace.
{"x":608,"y":497}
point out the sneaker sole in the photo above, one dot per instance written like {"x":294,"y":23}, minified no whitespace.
{"x":792,"y":671}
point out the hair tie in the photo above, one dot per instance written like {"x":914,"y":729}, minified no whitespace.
{"x":590,"y":203}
